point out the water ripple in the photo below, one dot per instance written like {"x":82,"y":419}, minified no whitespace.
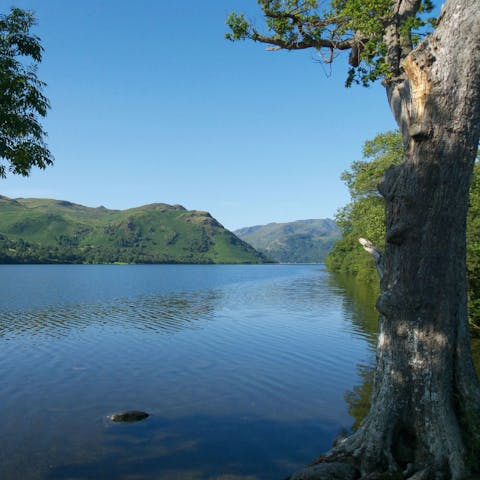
{"x":278,"y":349}
{"x":157,"y":313}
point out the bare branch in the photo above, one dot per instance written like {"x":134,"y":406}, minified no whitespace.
{"x":399,"y":44}
{"x":304,"y":43}
{"x":375,"y":252}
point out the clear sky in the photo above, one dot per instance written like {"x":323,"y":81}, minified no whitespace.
{"x":151,"y":104}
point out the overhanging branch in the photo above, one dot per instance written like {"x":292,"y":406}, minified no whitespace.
{"x":303,"y":43}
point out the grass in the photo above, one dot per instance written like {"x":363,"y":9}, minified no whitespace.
{"x":53,"y":231}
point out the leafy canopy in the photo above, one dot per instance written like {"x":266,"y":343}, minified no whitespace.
{"x":473,"y":250}
{"x":356,"y":25}
{"x":364,"y":216}
{"x":22,"y":102}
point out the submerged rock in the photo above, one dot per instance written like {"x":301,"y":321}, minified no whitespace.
{"x":130,"y":416}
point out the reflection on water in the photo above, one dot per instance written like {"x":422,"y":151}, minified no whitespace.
{"x":200,"y":447}
{"x":243,"y":368}
{"x":358,"y":398}
{"x":360,"y":301}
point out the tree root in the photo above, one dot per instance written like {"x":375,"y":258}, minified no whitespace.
{"x":386,"y":456}
{"x":327,"y":471}
{"x":346,"y":471}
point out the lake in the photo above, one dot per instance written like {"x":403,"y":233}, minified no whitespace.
{"x":248,"y":372}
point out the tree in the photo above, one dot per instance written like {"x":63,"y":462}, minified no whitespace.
{"x":424,"y":421}
{"x":22,"y":102}
{"x":365,"y":216}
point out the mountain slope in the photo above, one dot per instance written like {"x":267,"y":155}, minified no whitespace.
{"x":302,"y":241}
{"x":53,"y":231}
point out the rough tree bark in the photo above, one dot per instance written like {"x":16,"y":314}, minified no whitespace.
{"x":424,"y":421}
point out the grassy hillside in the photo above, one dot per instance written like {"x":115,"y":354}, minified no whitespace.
{"x":52,"y":231}
{"x":303,"y":241}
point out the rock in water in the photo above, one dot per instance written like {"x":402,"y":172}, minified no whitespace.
{"x":130,"y":416}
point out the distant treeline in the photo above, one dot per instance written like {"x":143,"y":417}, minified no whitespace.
{"x":364,"y":217}
{"x":22,"y":252}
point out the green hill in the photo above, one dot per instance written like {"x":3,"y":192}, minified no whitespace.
{"x":34,"y":230}
{"x":303,"y":241}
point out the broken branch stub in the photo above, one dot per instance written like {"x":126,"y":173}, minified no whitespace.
{"x":374,"y":252}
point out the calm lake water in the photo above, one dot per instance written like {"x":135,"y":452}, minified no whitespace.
{"x":248,"y":371}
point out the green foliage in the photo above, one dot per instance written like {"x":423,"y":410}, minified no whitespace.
{"x":239,"y":27}
{"x":340,"y":25}
{"x":384,"y":150}
{"x":369,"y":17}
{"x":473,"y":250}
{"x":364,"y":216}
{"x":50,"y":231}
{"x":22,"y":102}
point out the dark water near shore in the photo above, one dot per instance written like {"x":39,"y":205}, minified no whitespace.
{"x":248,"y":371}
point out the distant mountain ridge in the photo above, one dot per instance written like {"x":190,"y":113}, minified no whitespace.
{"x":35,"y":230}
{"x":301,"y":241}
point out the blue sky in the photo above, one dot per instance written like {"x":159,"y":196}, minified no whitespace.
{"x":151,"y":104}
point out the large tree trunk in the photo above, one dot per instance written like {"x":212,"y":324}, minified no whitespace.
{"x":424,"y":420}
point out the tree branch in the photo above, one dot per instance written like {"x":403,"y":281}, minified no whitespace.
{"x":399,"y":44}
{"x":303,"y":43}
{"x":376,"y":254}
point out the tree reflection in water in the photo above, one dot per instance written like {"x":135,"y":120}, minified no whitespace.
{"x":359,"y":306}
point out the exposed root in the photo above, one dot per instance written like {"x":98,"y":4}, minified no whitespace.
{"x":383,"y":451}
{"x":327,"y":471}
